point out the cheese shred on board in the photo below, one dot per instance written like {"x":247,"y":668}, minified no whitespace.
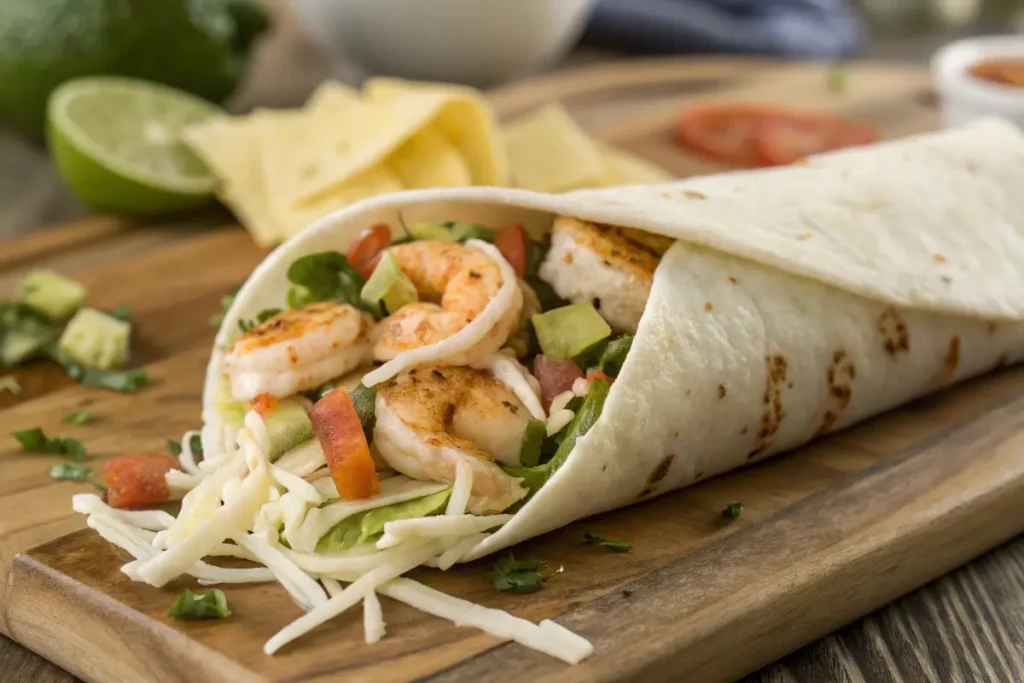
{"x":246,"y":506}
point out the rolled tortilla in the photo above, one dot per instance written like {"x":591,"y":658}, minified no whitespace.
{"x":797,"y":301}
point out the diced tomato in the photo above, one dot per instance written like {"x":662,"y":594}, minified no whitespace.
{"x":264,"y":404}
{"x":554,"y":376}
{"x":137,"y":480}
{"x":513,"y":245}
{"x":365,"y":251}
{"x":599,"y":374}
{"x":345,"y":448}
{"x":725,"y":131}
{"x":784,"y":140}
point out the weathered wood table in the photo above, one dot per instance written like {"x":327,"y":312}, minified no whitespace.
{"x":968,"y":626}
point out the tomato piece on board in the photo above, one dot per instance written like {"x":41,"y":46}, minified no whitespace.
{"x":344,"y":444}
{"x":364,"y":252}
{"x":554,"y":377}
{"x":724,"y":131}
{"x":137,"y":480}
{"x":513,"y":245}
{"x":786,"y":139}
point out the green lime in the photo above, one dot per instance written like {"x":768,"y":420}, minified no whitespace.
{"x":116,"y":142}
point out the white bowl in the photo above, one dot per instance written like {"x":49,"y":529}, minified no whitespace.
{"x":965,"y":97}
{"x":476,"y":42}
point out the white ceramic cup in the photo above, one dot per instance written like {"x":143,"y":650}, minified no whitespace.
{"x":476,"y":42}
{"x":965,"y":97}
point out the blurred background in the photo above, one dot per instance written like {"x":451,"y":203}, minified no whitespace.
{"x":273,"y":53}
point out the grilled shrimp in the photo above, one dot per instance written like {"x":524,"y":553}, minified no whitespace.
{"x":457,"y":282}
{"x":430,"y":419}
{"x":610,"y":267}
{"x":298,"y":350}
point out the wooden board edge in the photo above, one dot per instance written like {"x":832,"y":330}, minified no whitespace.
{"x":958,"y":495}
{"x":155,"y":652}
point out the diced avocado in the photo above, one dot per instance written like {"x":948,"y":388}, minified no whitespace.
{"x":568,"y":331}
{"x":389,"y":286}
{"x":51,"y":293}
{"x":96,"y":340}
{"x":228,"y":409}
{"x":430,"y":231}
{"x":462,"y":231}
{"x":288,"y":425}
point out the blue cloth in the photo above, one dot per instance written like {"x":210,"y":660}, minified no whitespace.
{"x":824,"y":29}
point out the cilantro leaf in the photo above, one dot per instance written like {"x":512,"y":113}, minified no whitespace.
{"x":261,"y":317}
{"x":212,"y":605}
{"x":617,"y":546}
{"x":36,"y":441}
{"x":324,"y":276}
{"x":79,"y":417}
{"x":24,"y":334}
{"x":225,"y":303}
{"x":512,"y":575}
{"x":66,"y":471}
{"x":174,"y":447}
{"x":195,"y":442}
{"x":122,"y":381}
{"x":732,"y":511}
{"x":122,"y":312}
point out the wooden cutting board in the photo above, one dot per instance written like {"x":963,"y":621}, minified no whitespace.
{"x":828,"y":533}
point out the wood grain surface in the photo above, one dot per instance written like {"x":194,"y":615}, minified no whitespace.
{"x":967,"y":626}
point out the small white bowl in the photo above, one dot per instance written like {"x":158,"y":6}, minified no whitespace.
{"x":475,"y":42}
{"x":965,"y":97}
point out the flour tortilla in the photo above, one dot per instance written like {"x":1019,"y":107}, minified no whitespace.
{"x":837,"y":290}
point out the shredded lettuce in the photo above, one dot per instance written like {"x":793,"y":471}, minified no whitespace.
{"x":368,"y":526}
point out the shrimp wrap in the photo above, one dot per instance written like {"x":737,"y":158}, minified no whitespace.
{"x":428,"y":377}
{"x":779,"y":306}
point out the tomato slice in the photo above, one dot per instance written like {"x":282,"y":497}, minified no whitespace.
{"x":600,"y":374}
{"x":724,"y":131}
{"x":785,"y":140}
{"x":364,"y":252}
{"x":137,"y":480}
{"x":264,"y":404}
{"x":345,"y":448}
{"x":513,"y":245}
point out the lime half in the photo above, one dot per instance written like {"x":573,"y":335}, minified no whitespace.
{"x":117,"y":144}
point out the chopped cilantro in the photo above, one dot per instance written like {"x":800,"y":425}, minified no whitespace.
{"x":324,"y":276}
{"x":732,"y":511}
{"x":261,"y":317}
{"x":123,"y":381}
{"x":79,"y":417}
{"x":511,"y":575}
{"x":212,"y":605}
{"x":174,"y":447}
{"x":66,"y":471}
{"x":225,"y":303}
{"x":122,"y":312}
{"x":617,"y":546}
{"x":36,"y":441}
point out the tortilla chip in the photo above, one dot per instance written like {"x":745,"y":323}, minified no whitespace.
{"x":625,"y":168}
{"x":428,"y":159}
{"x":549,"y":152}
{"x":228,"y":146}
{"x":377,"y":180}
{"x":459,"y":113}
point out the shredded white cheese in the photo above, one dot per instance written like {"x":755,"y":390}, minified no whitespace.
{"x":509,"y":372}
{"x":496,"y":309}
{"x":461,"y":489}
{"x":304,"y":459}
{"x":580,"y":386}
{"x":413,"y":557}
{"x":295,"y":484}
{"x":560,"y":401}
{"x":305,"y":591}
{"x":154,"y":520}
{"x":187,"y":458}
{"x":374,"y":627}
{"x":494,"y":621}
{"x":436,"y":527}
{"x":558,"y":421}
{"x":181,"y":481}
{"x":457,"y":550}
